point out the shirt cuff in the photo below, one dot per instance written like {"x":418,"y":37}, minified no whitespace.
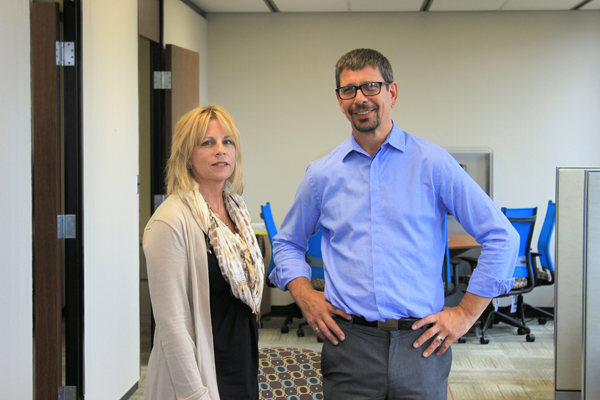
{"x":280,"y":277}
{"x":484,"y":285}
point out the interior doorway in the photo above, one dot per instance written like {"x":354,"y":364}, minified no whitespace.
{"x":145,"y":181}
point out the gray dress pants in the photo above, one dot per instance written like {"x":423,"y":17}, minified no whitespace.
{"x":376,"y":364}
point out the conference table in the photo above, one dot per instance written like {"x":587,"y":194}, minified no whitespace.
{"x":458,"y":243}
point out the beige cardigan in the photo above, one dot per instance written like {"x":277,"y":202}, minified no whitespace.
{"x":182,"y":362}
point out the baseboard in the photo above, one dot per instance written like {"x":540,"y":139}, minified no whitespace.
{"x":131,"y":391}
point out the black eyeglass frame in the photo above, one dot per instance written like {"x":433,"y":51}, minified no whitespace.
{"x":359,"y":87}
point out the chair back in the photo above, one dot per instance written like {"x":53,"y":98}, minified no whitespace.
{"x":314,"y":251}
{"x":543,"y":246}
{"x":267,"y":216}
{"x":314,"y":245}
{"x":446,"y":271}
{"x":523,"y":220}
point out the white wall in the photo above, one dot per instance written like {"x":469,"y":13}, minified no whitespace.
{"x":524,"y":84}
{"x":186,"y":28}
{"x":16,"y":327}
{"x":110,"y":165}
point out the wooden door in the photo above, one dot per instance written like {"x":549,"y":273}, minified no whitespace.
{"x":185,"y":86}
{"x":45,"y":30}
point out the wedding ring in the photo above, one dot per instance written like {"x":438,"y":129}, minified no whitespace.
{"x":316,"y":329}
{"x":441,"y":339}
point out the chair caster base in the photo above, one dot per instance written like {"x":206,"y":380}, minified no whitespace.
{"x":542,"y":321}
{"x":522,"y":331}
{"x":300,"y":333}
{"x":530,"y":337}
{"x":285,"y":329}
{"x":462,"y":339}
{"x":484,"y":340}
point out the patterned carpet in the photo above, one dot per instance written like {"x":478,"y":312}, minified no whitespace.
{"x":508,"y":368}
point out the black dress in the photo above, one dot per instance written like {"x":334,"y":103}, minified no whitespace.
{"x":235,"y":337}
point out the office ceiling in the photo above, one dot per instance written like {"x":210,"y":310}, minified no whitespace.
{"x":243,"y":6}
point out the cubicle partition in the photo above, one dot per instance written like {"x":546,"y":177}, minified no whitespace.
{"x":576,"y":189}
{"x":591,"y":296}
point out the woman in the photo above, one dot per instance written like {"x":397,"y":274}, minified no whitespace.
{"x":205,"y":269}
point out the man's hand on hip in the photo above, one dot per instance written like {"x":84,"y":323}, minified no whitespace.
{"x":450,"y":324}
{"x":317,"y":311}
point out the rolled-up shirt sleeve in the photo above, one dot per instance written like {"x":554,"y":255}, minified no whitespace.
{"x":482,"y":219}
{"x":291,"y":243}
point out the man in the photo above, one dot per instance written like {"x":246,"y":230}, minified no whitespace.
{"x":381,"y":198}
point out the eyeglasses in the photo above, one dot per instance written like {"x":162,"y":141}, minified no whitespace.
{"x":367,"y":89}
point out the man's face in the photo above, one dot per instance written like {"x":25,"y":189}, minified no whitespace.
{"x":368,"y":113}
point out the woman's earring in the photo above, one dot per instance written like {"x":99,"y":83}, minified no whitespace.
{"x":189,"y":166}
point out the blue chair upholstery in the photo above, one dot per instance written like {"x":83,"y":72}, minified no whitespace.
{"x":314,"y":258}
{"x":267,"y":216}
{"x":450,"y":271}
{"x":313,"y":255}
{"x":544,"y":271}
{"x":543,"y":245}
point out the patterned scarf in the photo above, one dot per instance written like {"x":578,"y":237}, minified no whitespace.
{"x":238,"y":255}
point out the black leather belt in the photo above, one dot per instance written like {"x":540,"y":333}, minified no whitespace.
{"x":403,"y":324}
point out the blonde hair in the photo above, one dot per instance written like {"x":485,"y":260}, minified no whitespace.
{"x":189,"y":132}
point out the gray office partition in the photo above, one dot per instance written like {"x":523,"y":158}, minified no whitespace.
{"x":591,"y":299}
{"x":569,"y":260}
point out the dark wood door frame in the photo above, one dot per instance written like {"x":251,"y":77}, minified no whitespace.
{"x":73,"y":202}
{"x":45,"y":31}
{"x":158,"y":149}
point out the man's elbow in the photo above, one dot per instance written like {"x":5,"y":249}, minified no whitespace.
{"x":514,"y":240}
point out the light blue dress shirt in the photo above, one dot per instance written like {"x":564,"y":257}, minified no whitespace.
{"x":384,"y":229}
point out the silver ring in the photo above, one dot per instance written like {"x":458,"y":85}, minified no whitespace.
{"x":441,"y":339}
{"x":316,"y":329}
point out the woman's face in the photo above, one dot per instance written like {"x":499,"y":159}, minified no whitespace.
{"x":213,"y":160}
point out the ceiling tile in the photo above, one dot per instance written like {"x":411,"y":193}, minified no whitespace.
{"x":531,"y":5}
{"x":311,"y":5}
{"x":466,"y":5}
{"x":592,"y":5}
{"x":232,"y":5}
{"x":385,"y":5}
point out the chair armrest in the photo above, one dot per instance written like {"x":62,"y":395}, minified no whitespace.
{"x":471,"y":260}
{"x":543,"y":276}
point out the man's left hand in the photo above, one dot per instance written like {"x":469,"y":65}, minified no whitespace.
{"x":450,"y":324}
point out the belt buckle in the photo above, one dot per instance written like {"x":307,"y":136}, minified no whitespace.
{"x":388,"y":325}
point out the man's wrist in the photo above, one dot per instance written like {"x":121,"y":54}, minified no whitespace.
{"x":298,"y":286}
{"x":473,"y":305}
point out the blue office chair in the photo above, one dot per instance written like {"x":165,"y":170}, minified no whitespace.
{"x":314,"y":258}
{"x":267,"y":216}
{"x":523,"y":220}
{"x":450,"y":272}
{"x":544,"y":272}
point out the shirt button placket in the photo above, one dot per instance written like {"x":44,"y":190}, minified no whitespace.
{"x":376,"y":241}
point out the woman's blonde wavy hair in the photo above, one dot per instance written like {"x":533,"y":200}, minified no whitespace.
{"x":189,"y":132}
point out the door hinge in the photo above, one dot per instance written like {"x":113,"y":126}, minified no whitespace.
{"x":67,"y":393}
{"x":65,"y":53}
{"x":162,"y":79}
{"x":67,"y":226}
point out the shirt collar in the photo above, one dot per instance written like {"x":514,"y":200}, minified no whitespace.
{"x":396,"y":139}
